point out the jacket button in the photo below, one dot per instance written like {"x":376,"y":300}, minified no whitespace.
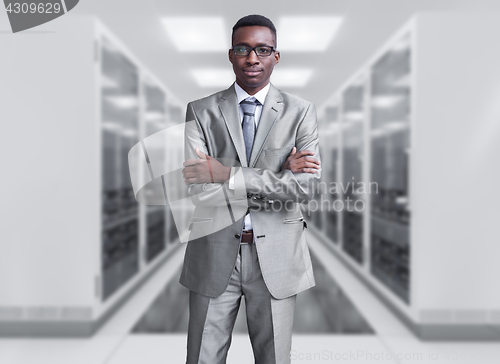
{"x":237,"y":236}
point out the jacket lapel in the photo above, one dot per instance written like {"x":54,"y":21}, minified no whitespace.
{"x":231,"y":114}
{"x":270,"y":110}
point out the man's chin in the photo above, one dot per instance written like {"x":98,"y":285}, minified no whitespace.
{"x":253,"y":82}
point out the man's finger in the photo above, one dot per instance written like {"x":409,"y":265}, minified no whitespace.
{"x":190,"y":175}
{"x":311,"y":159}
{"x":190,"y":172}
{"x":191,"y":162}
{"x":200,"y":154}
{"x":302,"y":164}
{"x":188,"y":169}
{"x":303,"y":153}
{"x":190,"y":180}
{"x":294,"y":150}
{"x":308,"y":170}
{"x":308,"y":165}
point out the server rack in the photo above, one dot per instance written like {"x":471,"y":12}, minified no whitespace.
{"x":81,"y":105}
{"x":157,"y":220}
{"x":332,"y":149}
{"x":390,"y":146}
{"x":120,"y":115}
{"x":425,"y":138}
{"x":369,"y":164}
{"x":352,"y":134}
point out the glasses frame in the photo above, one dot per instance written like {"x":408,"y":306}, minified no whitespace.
{"x":273,"y":49}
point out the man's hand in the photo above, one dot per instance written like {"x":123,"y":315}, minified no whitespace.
{"x":204,"y":170}
{"x":301,"y":162}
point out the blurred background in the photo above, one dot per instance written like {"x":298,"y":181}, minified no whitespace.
{"x":407,"y":96}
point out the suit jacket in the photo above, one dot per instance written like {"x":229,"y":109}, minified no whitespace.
{"x":273,"y":197}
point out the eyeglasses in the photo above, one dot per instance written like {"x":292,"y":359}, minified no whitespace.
{"x":263,"y":51}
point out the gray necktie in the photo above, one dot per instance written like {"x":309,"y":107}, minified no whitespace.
{"x":249,"y":105}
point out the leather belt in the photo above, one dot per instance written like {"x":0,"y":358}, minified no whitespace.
{"x":247,"y":237}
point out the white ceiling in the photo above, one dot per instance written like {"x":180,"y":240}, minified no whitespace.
{"x":366,"y":25}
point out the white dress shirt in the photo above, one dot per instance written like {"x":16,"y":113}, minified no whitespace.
{"x":242,"y":95}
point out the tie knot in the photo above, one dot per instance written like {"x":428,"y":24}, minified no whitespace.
{"x":248,"y":105}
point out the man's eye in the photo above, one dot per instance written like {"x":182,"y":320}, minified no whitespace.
{"x":241,"y":49}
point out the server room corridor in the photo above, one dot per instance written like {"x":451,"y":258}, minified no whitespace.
{"x":95,"y":217}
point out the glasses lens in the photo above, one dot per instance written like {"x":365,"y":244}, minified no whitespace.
{"x":241,"y":50}
{"x":263,"y":51}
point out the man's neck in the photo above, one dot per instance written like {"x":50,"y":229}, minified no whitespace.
{"x":252,"y":90}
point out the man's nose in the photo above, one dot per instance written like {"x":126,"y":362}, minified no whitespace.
{"x":252,"y":57}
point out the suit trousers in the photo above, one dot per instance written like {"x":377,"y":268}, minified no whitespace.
{"x":269,"y":320}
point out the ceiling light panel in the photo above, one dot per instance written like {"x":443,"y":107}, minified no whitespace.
{"x":123,"y":102}
{"x":307,"y":33}
{"x":213,"y":77}
{"x":197,"y":34}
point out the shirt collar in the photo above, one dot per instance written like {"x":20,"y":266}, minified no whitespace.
{"x":242,"y":94}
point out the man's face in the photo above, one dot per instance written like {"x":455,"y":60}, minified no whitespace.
{"x":253,"y":72}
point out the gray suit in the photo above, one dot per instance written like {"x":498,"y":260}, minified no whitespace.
{"x":273,"y":197}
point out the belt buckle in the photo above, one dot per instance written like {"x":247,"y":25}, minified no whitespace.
{"x":243,"y":232}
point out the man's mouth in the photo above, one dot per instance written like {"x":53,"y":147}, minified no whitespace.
{"x":252,"y":72}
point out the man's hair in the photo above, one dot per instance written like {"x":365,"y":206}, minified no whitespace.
{"x":255,"y":20}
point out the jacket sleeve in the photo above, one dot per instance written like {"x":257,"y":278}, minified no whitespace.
{"x":206,"y":194}
{"x":284,"y":185}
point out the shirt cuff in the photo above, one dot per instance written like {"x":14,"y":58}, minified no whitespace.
{"x":231,"y":179}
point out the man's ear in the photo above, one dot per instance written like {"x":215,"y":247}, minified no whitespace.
{"x":276,"y":57}
{"x":230,"y":55}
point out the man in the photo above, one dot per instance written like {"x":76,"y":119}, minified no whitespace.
{"x":249,"y":167}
